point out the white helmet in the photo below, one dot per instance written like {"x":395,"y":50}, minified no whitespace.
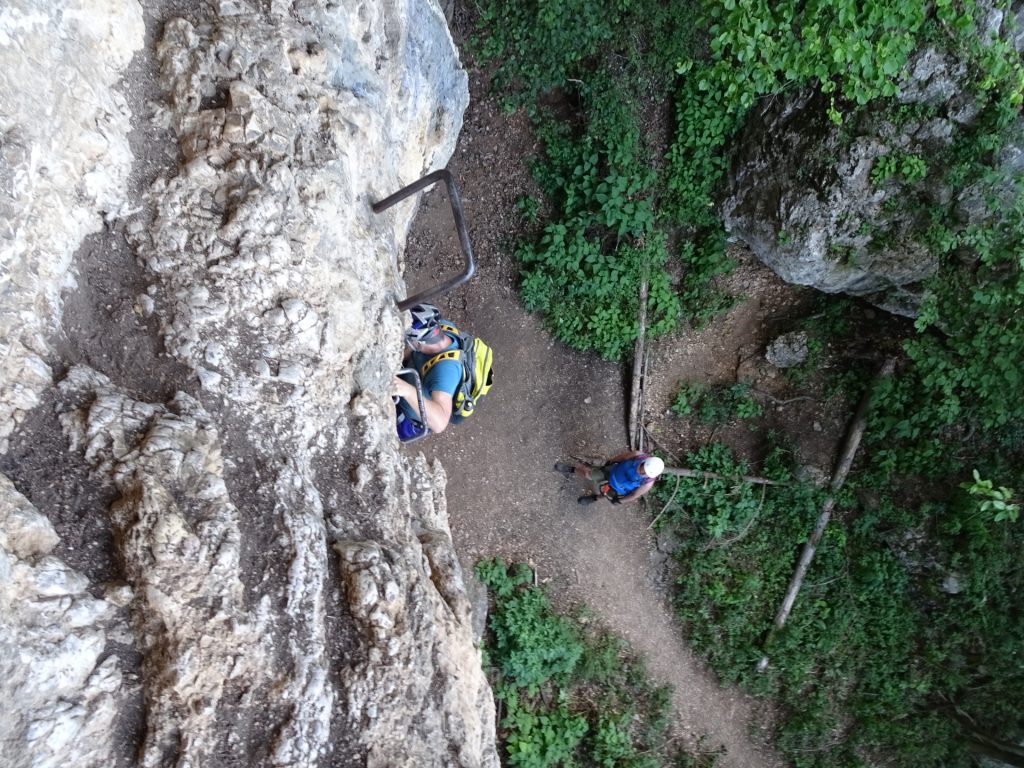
{"x":653,"y":466}
{"x":425,"y":326}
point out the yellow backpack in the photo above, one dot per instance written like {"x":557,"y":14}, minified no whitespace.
{"x":477,"y":375}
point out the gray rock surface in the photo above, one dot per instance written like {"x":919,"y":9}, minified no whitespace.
{"x":64,"y":160}
{"x":787,"y":350}
{"x":801,"y":195}
{"x":803,"y":199}
{"x":288,"y":592}
{"x":61,"y":693}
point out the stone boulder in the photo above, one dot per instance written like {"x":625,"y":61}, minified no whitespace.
{"x":808,"y":197}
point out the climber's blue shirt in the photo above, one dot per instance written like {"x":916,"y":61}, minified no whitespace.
{"x":445,"y":376}
{"x":625,"y":477}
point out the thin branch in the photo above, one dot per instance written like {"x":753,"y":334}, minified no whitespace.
{"x":701,"y":474}
{"x":776,"y":400}
{"x":694,"y":473}
{"x":670,"y":498}
{"x":822,"y":748}
{"x":636,"y":389}
{"x":849,"y":450}
{"x":746,"y":528}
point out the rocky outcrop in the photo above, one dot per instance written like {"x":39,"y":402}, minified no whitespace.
{"x":64,"y":161}
{"x":62,"y":690}
{"x":815,"y":202}
{"x":288,"y":593}
{"x":802,"y":197}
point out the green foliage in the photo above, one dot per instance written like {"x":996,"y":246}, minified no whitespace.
{"x":877,"y":657}
{"x":539,"y":737}
{"x":704,"y":260}
{"x":529,"y":208}
{"x":967,"y":359}
{"x":853,"y":49}
{"x":910,"y":168}
{"x":583,"y":271}
{"x":531,"y":644}
{"x":590,"y":299}
{"x":542,"y":44}
{"x":876,"y":652}
{"x":705,"y":122}
{"x":716,"y":405}
{"x":599,"y":710}
{"x":993,"y":500}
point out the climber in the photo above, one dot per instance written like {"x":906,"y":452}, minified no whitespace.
{"x":455,"y":370}
{"x":623,"y":479}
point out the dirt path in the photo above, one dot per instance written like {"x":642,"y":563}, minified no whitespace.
{"x":550,"y":402}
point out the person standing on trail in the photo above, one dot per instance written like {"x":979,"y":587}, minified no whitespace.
{"x":623,"y":479}
{"x":426,"y":339}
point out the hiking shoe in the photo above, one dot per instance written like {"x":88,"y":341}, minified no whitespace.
{"x":584,"y":501}
{"x":565,"y":469}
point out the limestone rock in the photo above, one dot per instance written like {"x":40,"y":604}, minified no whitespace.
{"x":289,"y":593}
{"x":787,"y":350}
{"x":805,"y":196}
{"x":805,"y":203}
{"x":60,"y":696}
{"x":64,"y":159}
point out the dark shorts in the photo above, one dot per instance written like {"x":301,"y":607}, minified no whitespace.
{"x":597,"y":477}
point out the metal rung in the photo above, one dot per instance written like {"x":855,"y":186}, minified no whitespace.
{"x":419,"y":402}
{"x":469,"y":268}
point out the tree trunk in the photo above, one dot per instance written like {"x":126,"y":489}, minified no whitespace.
{"x":636,"y":389}
{"x":846,"y":456}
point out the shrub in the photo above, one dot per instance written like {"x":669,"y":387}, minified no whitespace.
{"x":717,"y":405}
{"x":572,"y":693}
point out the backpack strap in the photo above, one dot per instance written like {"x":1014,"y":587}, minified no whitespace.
{"x":449,"y":354}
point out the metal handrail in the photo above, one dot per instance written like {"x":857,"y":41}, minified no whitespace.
{"x":469,"y":268}
{"x":418,"y":385}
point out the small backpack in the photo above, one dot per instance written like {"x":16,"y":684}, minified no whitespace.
{"x":477,"y":376}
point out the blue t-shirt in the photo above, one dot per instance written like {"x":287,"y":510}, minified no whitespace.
{"x":445,"y":376}
{"x":625,"y":477}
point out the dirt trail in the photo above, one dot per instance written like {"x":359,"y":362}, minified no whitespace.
{"x":550,"y":402}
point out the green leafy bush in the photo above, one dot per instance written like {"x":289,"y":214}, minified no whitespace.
{"x":716,"y":405}
{"x":995,"y":500}
{"x":887,"y":640}
{"x":571,"y":692}
{"x":909,"y":168}
{"x":590,"y":299}
{"x":879,"y":658}
{"x":704,"y":260}
{"x":540,"y":44}
{"x":540,"y":737}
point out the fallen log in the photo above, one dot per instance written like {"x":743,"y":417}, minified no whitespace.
{"x":845,"y":461}
{"x":636,"y":438}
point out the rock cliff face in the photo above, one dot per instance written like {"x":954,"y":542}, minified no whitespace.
{"x":280,"y":586}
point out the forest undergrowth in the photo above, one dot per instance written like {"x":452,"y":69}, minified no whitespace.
{"x":904,"y":647}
